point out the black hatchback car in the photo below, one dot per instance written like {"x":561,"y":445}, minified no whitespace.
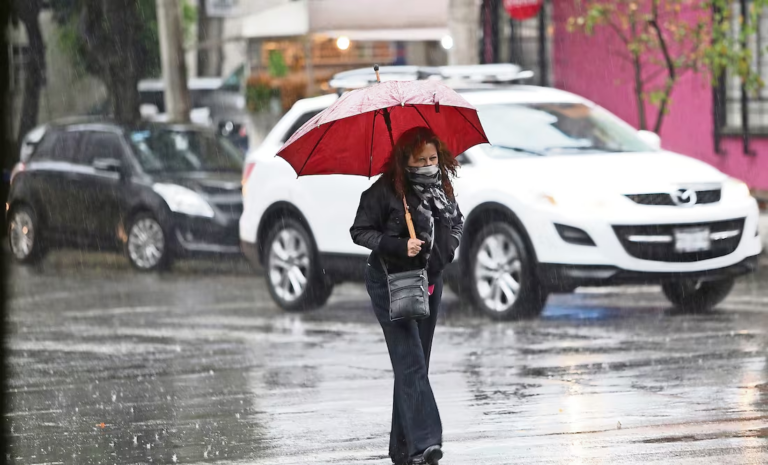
{"x":156,"y":191}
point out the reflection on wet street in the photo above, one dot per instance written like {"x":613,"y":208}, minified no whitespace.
{"x":111,"y":366}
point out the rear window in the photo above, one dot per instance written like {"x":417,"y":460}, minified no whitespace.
{"x":58,"y":146}
{"x":299,"y":123}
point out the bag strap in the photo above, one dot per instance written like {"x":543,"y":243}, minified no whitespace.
{"x":408,"y":219}
{"x":411,"y":230}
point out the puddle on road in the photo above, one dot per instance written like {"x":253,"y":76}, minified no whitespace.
{"x":750,"y":433}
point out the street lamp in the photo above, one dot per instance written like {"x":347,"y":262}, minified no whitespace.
{"x":447,"y":42}
{"x":342,"y":42}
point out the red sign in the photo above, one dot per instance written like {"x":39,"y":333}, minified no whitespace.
{"x":523,"y":9}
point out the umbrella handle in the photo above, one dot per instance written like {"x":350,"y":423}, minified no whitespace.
{"x":409,"y":220}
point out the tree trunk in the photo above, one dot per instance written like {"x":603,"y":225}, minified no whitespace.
{"x":125,"y":92}
{"x":639,"y":91}
{"x":464,"y":24}
{"x":122,"y":72}
{"x":210,"y":31}
{"x":34,"y":71}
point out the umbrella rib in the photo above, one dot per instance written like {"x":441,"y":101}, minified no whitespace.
{"x":470,"y":123}
{"x":373,"y":131}
{"x":422,"y":117}
{"x":315,"y":147}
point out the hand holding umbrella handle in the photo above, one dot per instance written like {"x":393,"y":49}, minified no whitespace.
{"x":409,"y":220}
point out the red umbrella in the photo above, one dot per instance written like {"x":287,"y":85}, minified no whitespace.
{"x":355,"y":135}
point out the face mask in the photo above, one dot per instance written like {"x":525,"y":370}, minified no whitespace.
{"x":424,"y":170}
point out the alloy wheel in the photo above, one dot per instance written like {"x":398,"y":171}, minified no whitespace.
{"x":146,"y":243}
{"x":22,"y":234}
{"x":289,"y":265}
{"x":498,"y":271}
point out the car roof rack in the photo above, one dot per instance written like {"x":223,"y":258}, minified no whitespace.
{"x":500,"y":73}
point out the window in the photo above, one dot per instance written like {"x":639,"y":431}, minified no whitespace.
{"x":232,"y":82}
{"x":555,"y":129}
{"x":169,"y":150}
{"x":45,"y":149}
{"x":526,"y":43}
{"x":299,"y":123}
{"x":99,"y":145}
{"x":729,"y":111}
{"x":58,"y":146}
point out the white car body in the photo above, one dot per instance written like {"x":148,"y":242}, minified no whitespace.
{"x":586,"y":191}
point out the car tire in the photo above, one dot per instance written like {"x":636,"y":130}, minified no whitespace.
{"x":502,"y":276}
{"x":292,"y":268}
{"x":691,"y":296}
{"x":25,"y":236}
{"x":147,"y":246}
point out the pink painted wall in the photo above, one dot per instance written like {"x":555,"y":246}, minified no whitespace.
{"x":591,"y":67}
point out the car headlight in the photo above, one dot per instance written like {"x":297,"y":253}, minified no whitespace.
{"x":735,"y":189}
{"x":183,"y":200}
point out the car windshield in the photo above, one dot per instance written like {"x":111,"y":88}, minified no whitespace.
{"x":546,"y":129}
{"x":179,"y":150}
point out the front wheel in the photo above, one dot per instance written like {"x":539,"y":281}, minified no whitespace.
{"x":502,"y":276}
{"x":147,"y":246}
{"x":24,"y":235}
{"x":692,"y":296}
{"x":293,"y":273}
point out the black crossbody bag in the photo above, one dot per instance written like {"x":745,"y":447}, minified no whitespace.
{"x":408,"y":294}
{"x":408,"y":290}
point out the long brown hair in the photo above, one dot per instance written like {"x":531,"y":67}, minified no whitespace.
{"x":412,"y":141}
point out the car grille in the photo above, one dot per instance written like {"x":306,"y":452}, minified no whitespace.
{"x":665,"y":251}
{"x":661,"y":199}
{"x":232,"y":209}
{"x":212,"y":189}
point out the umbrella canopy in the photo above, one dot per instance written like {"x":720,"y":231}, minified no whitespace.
{"x":351,"y":136}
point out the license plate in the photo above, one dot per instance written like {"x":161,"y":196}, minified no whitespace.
{"x":692,"y":240}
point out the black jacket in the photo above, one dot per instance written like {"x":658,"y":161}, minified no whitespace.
{"x":380,"y":226}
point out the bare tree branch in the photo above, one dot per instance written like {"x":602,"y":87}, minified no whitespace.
{"x":654,"y":23}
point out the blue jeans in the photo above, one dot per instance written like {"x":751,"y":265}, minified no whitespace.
{"x":415,"y":419}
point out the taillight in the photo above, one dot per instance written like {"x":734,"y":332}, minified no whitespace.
{"x":243,"y":131}
{"x":17,"y":169}
{"x":247,"y":174}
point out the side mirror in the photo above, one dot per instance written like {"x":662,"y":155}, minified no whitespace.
{"x":650,"y":138}
{"x":109,"y":165}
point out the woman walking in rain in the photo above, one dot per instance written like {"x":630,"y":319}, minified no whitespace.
{"x":419,"y":169}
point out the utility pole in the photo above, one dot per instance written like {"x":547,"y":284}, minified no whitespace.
{"x":464,"y":24}
{"x":177,"y":102}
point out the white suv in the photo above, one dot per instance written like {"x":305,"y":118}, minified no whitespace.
{"x":568,"y":195}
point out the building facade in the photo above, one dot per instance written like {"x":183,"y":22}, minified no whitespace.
{"x":705,"y":119}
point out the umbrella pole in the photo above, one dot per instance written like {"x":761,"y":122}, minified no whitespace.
{"x":388,"y":122}
{"x":408,"y":219}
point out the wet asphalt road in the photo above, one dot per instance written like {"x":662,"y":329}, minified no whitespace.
{"x":110,"y":366}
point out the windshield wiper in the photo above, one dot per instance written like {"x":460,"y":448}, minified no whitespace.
{"x":520,"y":149}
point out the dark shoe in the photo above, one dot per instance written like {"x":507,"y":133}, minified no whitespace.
{"x":433,"y":455}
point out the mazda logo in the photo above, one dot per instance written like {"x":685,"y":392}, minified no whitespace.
{"x":684,"y":197}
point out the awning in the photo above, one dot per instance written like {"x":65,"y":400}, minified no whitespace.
{"x":391,"y":35}
{"x":362,"y":20}
{"x":287,"y":20}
